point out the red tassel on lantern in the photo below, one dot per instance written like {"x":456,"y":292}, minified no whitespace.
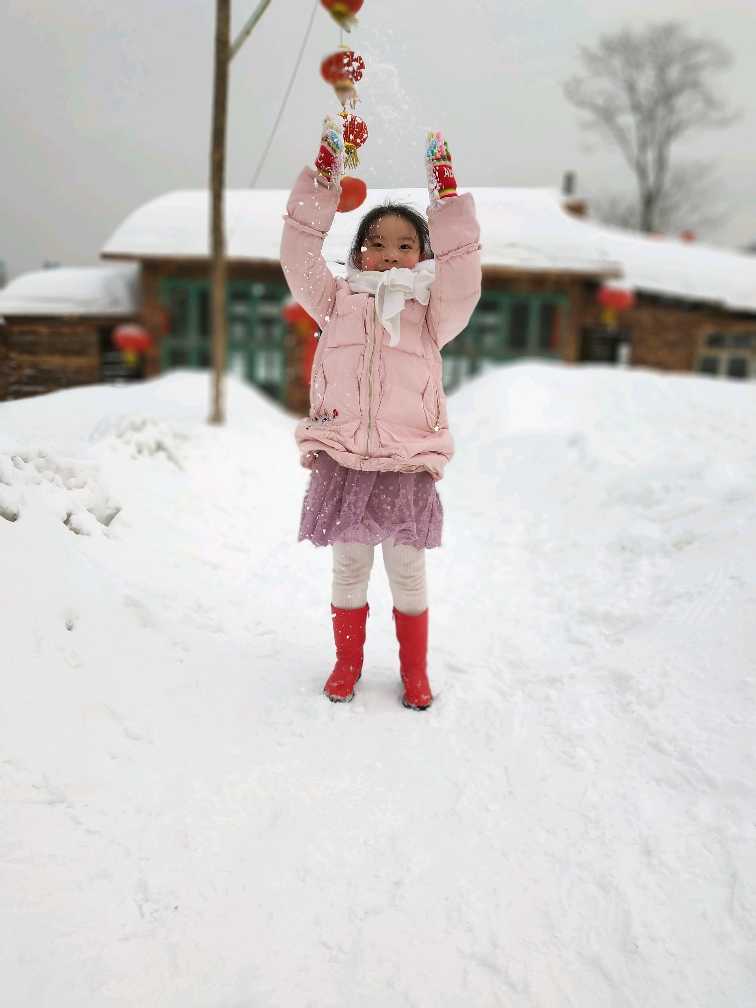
{"x":342,"y":70}
{"x":353,"y":194}
{"x":343,"y":11}
{"x":355,"y":135}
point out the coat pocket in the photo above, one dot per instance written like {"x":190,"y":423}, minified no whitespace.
{"x":341,"y":368}
{"x":318,"y":388}
{"x":432,"y":405}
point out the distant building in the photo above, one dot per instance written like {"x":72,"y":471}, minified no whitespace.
{"x":544,"y":263}
{"x":56,"y":328}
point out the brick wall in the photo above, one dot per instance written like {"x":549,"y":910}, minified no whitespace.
{"x":668,"y":336}
{"x":45,"y":355}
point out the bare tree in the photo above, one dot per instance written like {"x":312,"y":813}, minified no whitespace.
{"x":644,"y":91}
{"x":692,"y":200}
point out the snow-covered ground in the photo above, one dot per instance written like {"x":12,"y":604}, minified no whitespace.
{"x":188,"y":823}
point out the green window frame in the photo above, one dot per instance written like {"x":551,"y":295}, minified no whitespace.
{"x":256,"y":330}
{"x":506,"y":326}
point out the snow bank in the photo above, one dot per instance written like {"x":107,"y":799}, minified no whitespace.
{"x":186,"y":821}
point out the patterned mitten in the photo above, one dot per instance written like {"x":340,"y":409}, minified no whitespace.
{"x":438,"y":165}
{"x":330,"y":159}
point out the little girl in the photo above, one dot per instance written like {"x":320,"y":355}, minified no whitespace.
{"x":377,"y":437}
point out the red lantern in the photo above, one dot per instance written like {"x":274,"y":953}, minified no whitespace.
{"x":295,"y":314}
{"x":355,"y":135}
{"x":353,"y":194}
{"x":616,"y":298}
{"x":132,"y":339}
{"x":342,"y":70}
{"x":343,"y":11}
{"x":303,"y":327}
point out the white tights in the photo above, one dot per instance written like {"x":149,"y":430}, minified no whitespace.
{"x":405,"y":567}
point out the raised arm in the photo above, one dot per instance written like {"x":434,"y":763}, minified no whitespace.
{"x":455,"y":239}
{"x":309,"y":215}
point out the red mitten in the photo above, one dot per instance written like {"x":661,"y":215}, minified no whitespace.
{"x":438,"y":166}
{"x":330,"y":159}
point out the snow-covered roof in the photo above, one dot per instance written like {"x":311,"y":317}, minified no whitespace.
{"x":78,"y":290}
{"x":517,"y":225}
{"x":691,"y":271}
{"x":523,"y":229}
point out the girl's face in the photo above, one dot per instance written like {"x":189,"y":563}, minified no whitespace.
{"x":391,"y":241}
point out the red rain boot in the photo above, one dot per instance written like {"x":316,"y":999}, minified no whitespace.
{"x":412,"y":634}
{"x":349,"y":635}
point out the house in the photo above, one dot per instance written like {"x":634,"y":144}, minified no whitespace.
{"x":56,"y":327}
{"x":543,"y":266}
{"x":532,"y":285}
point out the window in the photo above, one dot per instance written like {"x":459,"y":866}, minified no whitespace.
{"x":518,"y":325}
{"x":268,"y":367}
{"x":455,"y":371}
{"x":734,"y":340}
{"x":203,"y":321}
{"x":737,"y":367}
{"x":709,"y":365}
{"x":178,"y":311}
{"x":488,"y":326}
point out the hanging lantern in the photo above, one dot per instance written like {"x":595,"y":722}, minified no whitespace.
{"x":298,"y":317}
{"x":303,"y":329}
{"x":353,"y":194}
{"x":132,"y":340}
{"x":343,"y":11}
{"x":617,"y":298}
{"x":342,"y":70}
{"x":614,"y":300}
{"x":355,"y":135}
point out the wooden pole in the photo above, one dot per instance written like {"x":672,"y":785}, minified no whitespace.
{"x":223,"y":55}
{"x":217,"y":186}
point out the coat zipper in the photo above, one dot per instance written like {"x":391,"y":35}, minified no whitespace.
{"x":370,"y":392}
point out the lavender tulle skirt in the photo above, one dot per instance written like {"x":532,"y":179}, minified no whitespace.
{"x":349,"y":505}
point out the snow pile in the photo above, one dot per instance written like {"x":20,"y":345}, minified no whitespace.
{"x":75,"y":290}
{"x":186,"y":821}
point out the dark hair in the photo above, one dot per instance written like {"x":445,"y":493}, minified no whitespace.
{"x":418,"y":222}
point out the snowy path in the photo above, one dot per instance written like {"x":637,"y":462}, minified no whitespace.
{"x":187,"y":822}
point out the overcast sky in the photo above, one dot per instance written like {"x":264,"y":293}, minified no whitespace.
{"x":106,"y":105}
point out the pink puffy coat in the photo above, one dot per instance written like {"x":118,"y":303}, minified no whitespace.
{"x":372,"y":406}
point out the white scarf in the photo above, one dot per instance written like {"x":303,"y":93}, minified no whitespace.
{"x":392,"y":288}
